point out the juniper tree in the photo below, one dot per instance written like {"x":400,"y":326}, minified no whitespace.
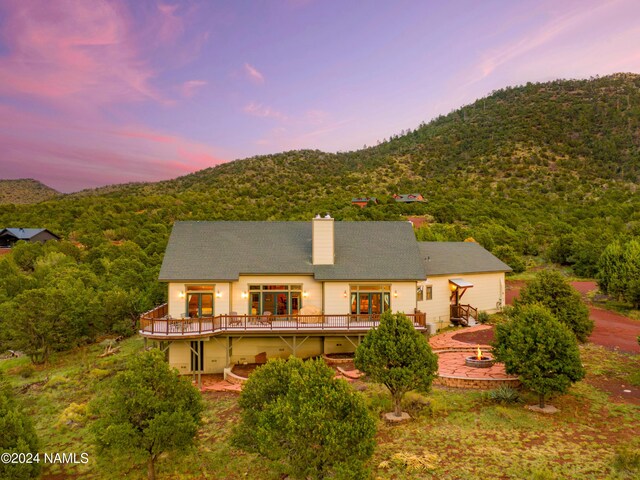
{"x":298,"y":414}
{"x":540,"y":350}
{"x":553,"y":291}
{"x":148,"y":410}
{"x":398,"y":356}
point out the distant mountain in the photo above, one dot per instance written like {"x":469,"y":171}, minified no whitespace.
{"x":544,"y":167}
{"x":25,"y":190}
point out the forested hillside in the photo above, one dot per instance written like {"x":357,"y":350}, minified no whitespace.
{"x":547,"y":170}
{"x":25,"y":190}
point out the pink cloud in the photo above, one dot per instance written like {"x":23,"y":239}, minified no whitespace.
{"x":190,"y":87}
{"x":253,"y":73}
{"x":72,"y":53}
{"x":70,"y":157}
{"x":259,"y":110}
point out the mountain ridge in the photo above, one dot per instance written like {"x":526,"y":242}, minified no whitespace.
{"x":25,"y":191}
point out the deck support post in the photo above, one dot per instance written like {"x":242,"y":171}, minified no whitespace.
{"x":351,"y":341}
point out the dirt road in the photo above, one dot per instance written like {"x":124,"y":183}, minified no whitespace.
{"x":611,"y":330}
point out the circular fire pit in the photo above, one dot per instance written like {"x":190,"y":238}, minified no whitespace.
{"x":482,"y":362}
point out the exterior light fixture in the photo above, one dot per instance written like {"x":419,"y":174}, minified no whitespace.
{"x":218,"y":294}
{"x":305,"y":294}
{"x":453,"y":287}
{"x":395,"y":293}
{"x":181,"y":294}
{"x":245,"y":295}
{"x":344,"y":294}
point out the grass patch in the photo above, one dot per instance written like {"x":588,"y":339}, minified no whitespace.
{"x":454,"y":433}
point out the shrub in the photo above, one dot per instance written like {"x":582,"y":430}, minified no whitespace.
{"x":483,"y":317}
{"x":26,"y":371}
{"x":504,"y":395}
{"x":17,"y":435}
{"x":148,"y":410}
{"x":627,"y":461}
{"x":398,"y":356}
{"x":297,"y":413}
{"x":539,"y":349}
{"x":552,"y":290}
{"x":75,"y":415}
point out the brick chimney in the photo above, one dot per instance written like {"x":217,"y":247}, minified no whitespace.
{"x":322,"y":240}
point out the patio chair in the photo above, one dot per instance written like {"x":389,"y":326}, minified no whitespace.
{"x":265,"y":319}
{"x":234,"y":319}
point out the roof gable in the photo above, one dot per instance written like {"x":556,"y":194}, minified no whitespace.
{"x":24,"y":233}
{"x":445,"y":258}
{"x":224,"y":250}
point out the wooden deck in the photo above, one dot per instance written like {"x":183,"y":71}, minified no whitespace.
{"x":158,"y":325}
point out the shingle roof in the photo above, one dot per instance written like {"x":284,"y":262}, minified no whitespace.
{"x":224,"y":250}
{"x":443,"y":258}
{"x":23,"y":233}
{"x":409,"y":197}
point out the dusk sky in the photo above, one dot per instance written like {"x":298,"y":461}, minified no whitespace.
{"x":100,"y":92}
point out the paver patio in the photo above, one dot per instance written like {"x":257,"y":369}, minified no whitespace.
{"x":452,"y":369}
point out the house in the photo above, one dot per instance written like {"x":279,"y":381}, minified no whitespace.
{"x":409,"y":198}
{"x":459,"y":276}
{"x":9,"y":236}
{"x":363,"y":201}
{"x":241,"y":292}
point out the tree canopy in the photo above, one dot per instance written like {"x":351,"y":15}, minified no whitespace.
{"x":297,"y":413}
{"x":148,"y":409}
{"x":398,"y":356}
{"x":541,"y":350}
{"x":619,"y":271}
{"x":551,"y":289}
{"x":17,"y":435}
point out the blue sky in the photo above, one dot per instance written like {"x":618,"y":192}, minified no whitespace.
{"x":100,"y":92}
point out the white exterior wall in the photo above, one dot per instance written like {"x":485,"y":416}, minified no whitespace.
{"x":229,"y":297}
{"x":335,"y":302}
{"x":487,"y":291}
{"x":178,"y":303}
{"x":309,"y":285}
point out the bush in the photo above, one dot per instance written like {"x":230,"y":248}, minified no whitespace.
{"x":148,"y":410}
{"x":627,"y":462}
{"x":504,"y":395}
{"x":17,"y":435}
{"x":297,"y":413}
{"x":508,"y":255}
{"x":75,"y":415}
{"x":552,"y":290}
{"x":26,"y":371}
{"x":483,"y":317}
{"x":539,"y":349}
{"x":398,"y":356}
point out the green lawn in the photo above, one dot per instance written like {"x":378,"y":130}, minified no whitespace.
{"x":454,"y":434}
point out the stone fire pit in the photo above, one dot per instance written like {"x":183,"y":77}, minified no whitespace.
{"x":479,"y":360}
{"x":475,"y":362}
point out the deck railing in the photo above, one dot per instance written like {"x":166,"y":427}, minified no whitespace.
{"x":462,"y":313}
{"x":157,"y":322}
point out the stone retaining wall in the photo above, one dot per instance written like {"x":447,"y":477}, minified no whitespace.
{"x":476,"y":383}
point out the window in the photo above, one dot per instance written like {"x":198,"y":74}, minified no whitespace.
{"x":199,"y":301}
{"x":428,"y":292}
{"x":370,"y":299}
{"x":420,"y":293}
{"x":277,"y":299}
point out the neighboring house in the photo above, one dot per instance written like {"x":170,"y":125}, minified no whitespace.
{"x":409,"y":198}
{"x":417,"y":222}
{"x":363,"y":201}
{"x":459,"y":275}
{"x":9,"y":236}
{"x":241,"y":292}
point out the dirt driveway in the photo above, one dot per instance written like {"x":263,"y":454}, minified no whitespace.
{"x":611,"y":330}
